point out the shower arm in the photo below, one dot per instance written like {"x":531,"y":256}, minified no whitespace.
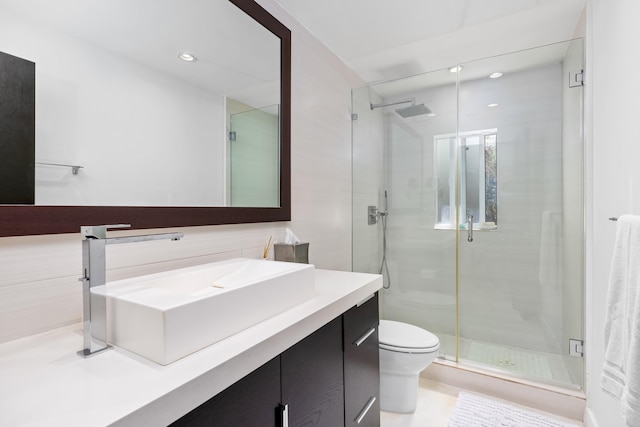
{"x":374,"y":106}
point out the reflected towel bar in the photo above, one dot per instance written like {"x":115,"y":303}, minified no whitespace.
{"x":74,"y":168}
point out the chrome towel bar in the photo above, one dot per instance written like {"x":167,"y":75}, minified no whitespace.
{"x":74,"y":168}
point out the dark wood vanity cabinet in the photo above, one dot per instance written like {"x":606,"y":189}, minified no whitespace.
{"x":361,"y":365}
{"x":250,"y":402}
{"x":329,"y":379}
{"x":312,"y":378}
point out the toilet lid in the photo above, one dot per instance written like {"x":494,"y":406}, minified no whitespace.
{"x":405,"y":336}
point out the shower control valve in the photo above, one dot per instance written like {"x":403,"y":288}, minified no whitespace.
{"x":372,"y":214}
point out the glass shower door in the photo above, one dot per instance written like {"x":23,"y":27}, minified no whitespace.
{"x":396,"y":123}
{"x":254,"y":158}
{"x":520,"y":202}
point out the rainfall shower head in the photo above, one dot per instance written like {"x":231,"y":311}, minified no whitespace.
{"x":413,"y":110}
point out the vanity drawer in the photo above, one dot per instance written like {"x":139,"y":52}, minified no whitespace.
{"x":361,"y":319}
{"x":361,"y":365}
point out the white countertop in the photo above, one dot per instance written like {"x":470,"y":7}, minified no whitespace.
{"x":44,"y":382}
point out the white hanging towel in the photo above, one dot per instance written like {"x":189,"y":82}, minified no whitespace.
{"x":621,"y":370}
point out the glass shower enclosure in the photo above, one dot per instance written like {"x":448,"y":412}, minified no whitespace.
{"x":473,"y":179}
{"x":253,"y":160}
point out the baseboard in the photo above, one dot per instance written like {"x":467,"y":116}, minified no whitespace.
{"x":555,"y":400}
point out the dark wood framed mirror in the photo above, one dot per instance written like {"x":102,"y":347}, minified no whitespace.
{"x":21,"y":220}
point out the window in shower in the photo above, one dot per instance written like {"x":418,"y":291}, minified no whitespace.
{"x":478,"y":179}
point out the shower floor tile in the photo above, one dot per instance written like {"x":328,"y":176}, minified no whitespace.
{"x":510,"y":359}
{"x":546,"y":367}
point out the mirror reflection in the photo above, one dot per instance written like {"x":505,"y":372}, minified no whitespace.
{"x":122,"y":119}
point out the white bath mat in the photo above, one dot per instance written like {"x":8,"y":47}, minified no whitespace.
{"x":477,"y":411}
{"x":510,"y":359}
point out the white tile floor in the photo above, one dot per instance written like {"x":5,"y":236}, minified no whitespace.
{"x":436,"y":401}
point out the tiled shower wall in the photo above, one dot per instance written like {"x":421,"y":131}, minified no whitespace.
{"x":39,"y":289}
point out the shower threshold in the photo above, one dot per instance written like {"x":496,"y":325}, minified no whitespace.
{"x":559,"y":400}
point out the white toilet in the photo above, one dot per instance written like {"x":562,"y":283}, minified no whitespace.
{"x":405,"y":350}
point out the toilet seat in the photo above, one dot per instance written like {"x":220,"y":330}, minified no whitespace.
{"x":405,"y":338}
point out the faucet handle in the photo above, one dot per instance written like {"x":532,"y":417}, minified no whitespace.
{"x":99,"y":231}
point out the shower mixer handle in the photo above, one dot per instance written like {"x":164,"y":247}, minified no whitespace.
{"x":373,"y":213}
{"x":469,"y":227}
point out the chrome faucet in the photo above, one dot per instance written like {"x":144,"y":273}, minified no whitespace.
{"x":94,"y":278}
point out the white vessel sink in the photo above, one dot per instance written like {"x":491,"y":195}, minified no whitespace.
{"x":167,"y":316}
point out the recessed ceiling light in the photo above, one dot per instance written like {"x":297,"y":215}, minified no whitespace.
{"x":455,"y":69}
{"x":187,"y":57}
{"x":492,"y":105}
{"x":431,"y":114}
{"x":495,"y":75}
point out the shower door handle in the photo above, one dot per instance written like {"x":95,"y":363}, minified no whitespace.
{"x":469,"y":228}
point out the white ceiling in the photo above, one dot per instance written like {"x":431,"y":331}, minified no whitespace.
{"x":381,"y":40}
{"x":388,"y":39}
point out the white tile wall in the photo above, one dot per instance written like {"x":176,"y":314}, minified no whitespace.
{"x":38,"y":274}
{"x":613,"y":174}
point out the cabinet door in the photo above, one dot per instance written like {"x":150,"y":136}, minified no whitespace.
{"x":312,"y":379}
{"x":253,"y":401}
{"x":17,"y":133}
{"x":361,"y":365}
